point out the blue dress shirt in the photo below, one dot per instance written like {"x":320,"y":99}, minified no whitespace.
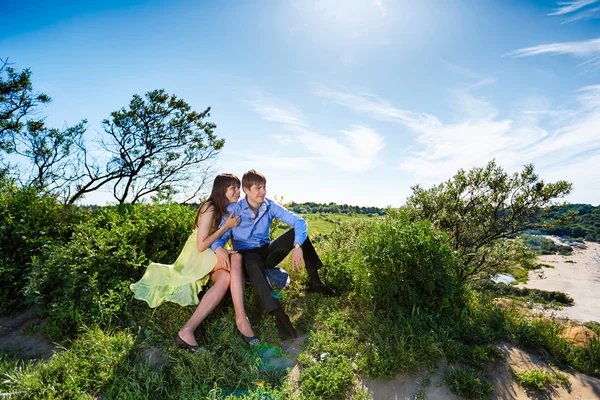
{"x":253,"y":232}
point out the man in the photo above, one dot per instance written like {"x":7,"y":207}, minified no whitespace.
{"x":251,"y":239}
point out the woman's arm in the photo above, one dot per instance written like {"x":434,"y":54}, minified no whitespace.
{"x":203,"y":239}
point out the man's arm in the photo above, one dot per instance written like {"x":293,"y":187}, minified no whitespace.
{"x":291,"y":219}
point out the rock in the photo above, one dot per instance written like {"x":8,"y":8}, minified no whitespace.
{"x":503,"y":303}
{"x":578,"y":335}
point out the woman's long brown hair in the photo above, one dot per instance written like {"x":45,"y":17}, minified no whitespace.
{"x":217,"y":198}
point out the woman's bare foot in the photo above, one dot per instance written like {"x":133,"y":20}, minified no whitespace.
{"x":243,"y":325}
{"x":187,"y":335}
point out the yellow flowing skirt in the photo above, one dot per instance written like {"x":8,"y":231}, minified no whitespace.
{"x":179,"y":282}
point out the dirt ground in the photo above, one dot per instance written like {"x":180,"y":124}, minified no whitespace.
{"x":16,"y":342}
{"x":403,"y":387}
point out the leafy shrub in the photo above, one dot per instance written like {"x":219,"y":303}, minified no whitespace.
{"x":86,"y":280}
{"x":409,"y":266}
{"x":31,"y":222}
{"x":337,"y":253}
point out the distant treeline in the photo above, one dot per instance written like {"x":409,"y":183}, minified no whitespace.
{"x":586,"y":224}
{"x":332,"y":208}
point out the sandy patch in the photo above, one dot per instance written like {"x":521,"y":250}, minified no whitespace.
{"x":580,"y":387}
{"x":577,"y":275}
{"x":20,"y":345}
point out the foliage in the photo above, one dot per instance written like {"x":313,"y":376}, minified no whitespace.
{"x":31,"y":222}
{"x":545,"y":246}
{"x":338,"y":252}
{"x":17,"y":100}
{"x":333,"y":208}
{"x":86,"y":280}
{"x":585,"y":223}
{"x":541,"y":380}
{"x":156,"y":147}
{"x":481,"y":208}
{"x":536,"y":295}
{"x":467,"y":382}
{"x":409,"y":266}
{"x":49,"y":155}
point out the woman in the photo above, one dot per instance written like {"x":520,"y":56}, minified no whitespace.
{"x":181,"y":282}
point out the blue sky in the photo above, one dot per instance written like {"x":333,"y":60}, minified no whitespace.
{"x":346,"y":101}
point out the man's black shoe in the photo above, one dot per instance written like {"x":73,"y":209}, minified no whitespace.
{"x":322,"y":288}
{"x":285,"y":327}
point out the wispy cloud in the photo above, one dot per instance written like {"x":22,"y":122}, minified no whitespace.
{"x":364,"y":102}
{"x":566,"y":7}
{"x":379,"y":4}
{"x":587,"y":14}
{"x":584,"y":48}
{"x":481,"y":134}
{"x":357,"y":156}
{"x":286,"y":115}
{"x":356,"y":150}
{"x":589,"y":50}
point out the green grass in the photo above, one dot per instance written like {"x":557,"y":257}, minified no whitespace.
{"x":468,"y":382}
{"x":347,"y":337}
{"x":520,"y":274}
{"x":541,"y":380}
{"x":324,"y":224}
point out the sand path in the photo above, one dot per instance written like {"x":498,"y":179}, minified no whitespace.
{"x":577,"y":275}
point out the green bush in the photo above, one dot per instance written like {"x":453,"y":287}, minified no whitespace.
{"x":409,"y":266}
{"x":337,"y":252}
{"x":86,"y":280}
{"x":30,"y":222}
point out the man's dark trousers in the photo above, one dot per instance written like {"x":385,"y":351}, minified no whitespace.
{"x":269,"y":256}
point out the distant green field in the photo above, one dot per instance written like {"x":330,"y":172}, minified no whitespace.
{"x":324,"y":224}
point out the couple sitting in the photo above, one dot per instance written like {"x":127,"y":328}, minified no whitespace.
{"x":247,"y":223}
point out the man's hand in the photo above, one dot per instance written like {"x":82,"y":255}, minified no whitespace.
{"x":297,"y":259}
{"x":223,"y":259}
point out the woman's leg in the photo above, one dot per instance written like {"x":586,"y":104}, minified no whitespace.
{"x":237,"y":295}
{"x":210,"y":300}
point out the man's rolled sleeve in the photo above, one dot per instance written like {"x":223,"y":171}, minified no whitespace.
{"x":291,"y":219}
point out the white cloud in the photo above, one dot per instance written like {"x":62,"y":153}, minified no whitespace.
{"x":567,"y":7}
{"x":589,"y":50}
{"x":379,"y":4}
{"x":286,"y":115}
{"x":357,"y":151}
{"x":591,"y":13}
{"x":357,"y":156}
{"x":283,"y":139}
{"x":364,"y":102}
{"x":480,"y":135}
{"x":584,"y":48}
{"x":269,"y":161}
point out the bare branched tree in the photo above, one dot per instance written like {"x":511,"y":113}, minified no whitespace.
{"x":158,"y":146}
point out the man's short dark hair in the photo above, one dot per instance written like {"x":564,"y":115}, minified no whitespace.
{"x":253,"y":178}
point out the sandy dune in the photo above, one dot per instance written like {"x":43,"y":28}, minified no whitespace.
{"x":577,"y":275}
